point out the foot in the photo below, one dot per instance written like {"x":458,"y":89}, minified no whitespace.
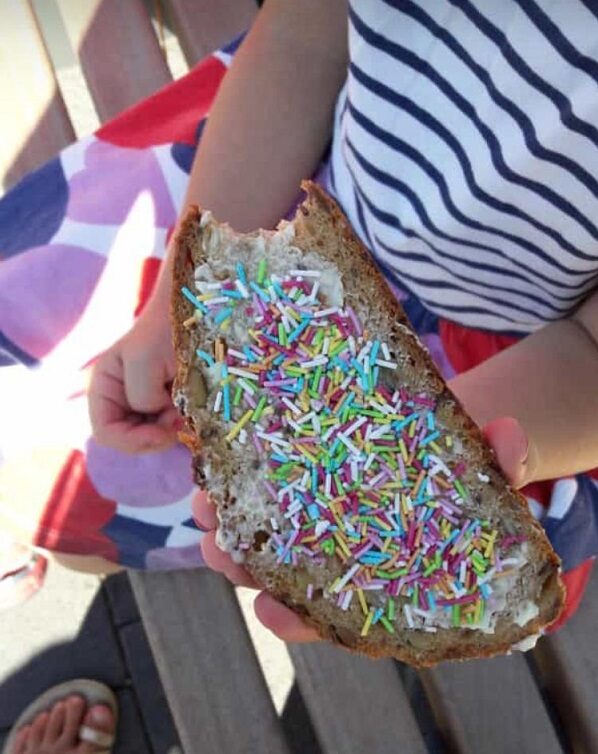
{"x":59,"y":730}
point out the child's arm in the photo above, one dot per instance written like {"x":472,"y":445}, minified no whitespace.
{"x":268,"y":128}
{"x":549,"y":383}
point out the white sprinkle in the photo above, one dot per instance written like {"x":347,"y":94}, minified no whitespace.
{"x":347,"y":443}
{"x":205,"y":286}
{"x":408,"y":503}
{"x":310,"y":591}
{"x":242,"y":289}
{"x":438,"y":462}
{"x":462,"y":571}
{"x":386,"y":354}
{"x":347,"y":577}
{"x":325,"y":345}
{"x":218,"y":402}
{"x":329,"y":431}
{"x":354,"y":470}
{"x":352,"y":346}
{"x":305,"y":479}
{"x":321,"y":527}
{"x":364,"y":351}
{"x":243,"y":373}
{"x":347,"y":600}
{"x":317,"y":425}
{"x":314,"y":291}
{"x":293,"y":508}
{"x":318,"y":362}
{"x":243,"y":436}
{"x":370,"y":460}
{"x":430,"y":629}
{"x":408,"y":616}
{"x":379,"y":432}
{"x":306,"y":418}
{"x":326,"y":312}
{"x":237,"y":354}
{"x":272,"y":292}
{"x":294,"y":425}
{"x":327,"y":484}
{"x":217,"y":300}
{"x":305,"y":273}
{"x":387,"y":364}
{"x":397,"y":503}
{"x":510,"y":561}
{"x":346,"y":382}
{"x":274,"y":524}
{"x":483,"y":477}
{"x":355,"y":426}
{"x":289,"y":404}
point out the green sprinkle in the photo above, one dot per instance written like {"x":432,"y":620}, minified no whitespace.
{"x":390,"y":608}
{"x":415,"y":596}
{"x":261,"y":271}
{"x":387,"y":625}
{"x":456,"y":611}
{"x":460,"y":489}
{"x":238,"y":394}
{"x":282,"y":334}
{"x":259,"y":409}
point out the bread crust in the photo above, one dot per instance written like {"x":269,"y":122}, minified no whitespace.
{"x":321,"y":226}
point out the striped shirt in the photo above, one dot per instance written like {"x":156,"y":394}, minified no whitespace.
{"x":465,"y":153}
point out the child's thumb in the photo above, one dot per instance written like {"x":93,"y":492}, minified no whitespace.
{"x":512,"y":447}
{"x":146,"y":387}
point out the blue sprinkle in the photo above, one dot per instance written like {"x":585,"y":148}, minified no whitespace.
{"x":429,"y":439}
{"x":358,"y":367}
{"x":430,"y":421}
{"x":279,"y":359}
{"x":206,"y":357}
{"x":278,"y":288}
{"x":223,"y":371}
{"x":249,"y":353}
{"x":431,"y":600}
{"x":226,"y":401}
{"x":374,"y":352}
{"x":314,"y":480}
{"x":231,"y":294}
{"x":313,"y":511}
{"x":223,"y":315}
{"x":298,"y":330}
{"x":485,"y":590}
{"x":280,"y":457}
{"x":378,"y":615}
{"x":194,"y":300}
{"x":261,"y":293}
{"x":241,"y":273}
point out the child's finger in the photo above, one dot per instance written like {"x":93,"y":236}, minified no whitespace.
{"x":204,"y":512}
{"x":220,"y":561}
{"x":512,"y":448}
{"x":282,"y":621}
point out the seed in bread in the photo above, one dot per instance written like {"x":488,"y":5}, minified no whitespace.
{"x":346,"y":476}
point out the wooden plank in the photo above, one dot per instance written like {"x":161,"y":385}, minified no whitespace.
{"x":118,"y":51}
{"x":568,"y":665}
{"x":211,"y":676}
{"x":356,"y":705}
{"x":203,"y":27}
{"x":35,"y":124}
{"x":491,"y":707}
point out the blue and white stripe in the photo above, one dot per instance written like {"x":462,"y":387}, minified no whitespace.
{"x":466,"y":153}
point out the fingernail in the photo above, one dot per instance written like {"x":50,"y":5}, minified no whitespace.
{"x":99,"y":715}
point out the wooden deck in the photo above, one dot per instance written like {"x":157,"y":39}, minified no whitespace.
{"x":544,"y":702}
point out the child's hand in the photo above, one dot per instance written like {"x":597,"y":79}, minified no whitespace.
{"x":505,"y":435}
{"x":129,"y":395}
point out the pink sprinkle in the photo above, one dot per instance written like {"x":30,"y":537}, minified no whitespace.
{"x":354,"y":321}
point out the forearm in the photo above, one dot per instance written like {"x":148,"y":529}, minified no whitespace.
{"x":548,"y":381}
{"x":272,"y":117}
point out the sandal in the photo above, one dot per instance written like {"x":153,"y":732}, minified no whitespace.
{"x":92,"y":692}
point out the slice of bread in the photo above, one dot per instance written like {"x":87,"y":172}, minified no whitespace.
{"x":347,"y":478}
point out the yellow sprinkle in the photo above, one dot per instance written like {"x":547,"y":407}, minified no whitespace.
{"x":362,"y":601}
{"x":403,"y":448}
{"x":206,"y":296}
{"x":307,"y":454}
{"x":340,"y":540}
{"x":412,"y":428}
{"x":333,"y":585}
{"x":367,"y":623}
{"x":448,"y":441}
{"x":435,"y":448}
{"x":384,"y":524}
{"x":239,"y":425}
{"x":384,"y":547}
{"x":490,"y":546}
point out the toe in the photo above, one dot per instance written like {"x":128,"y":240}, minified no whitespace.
{"x":37,"y":732}
{"x":97,"y":730}
{"x":55,"y":724}
{"x":74,"y":711}
{"x":21,"y":740}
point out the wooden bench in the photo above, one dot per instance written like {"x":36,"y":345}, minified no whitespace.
{"x":545,"y":702}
